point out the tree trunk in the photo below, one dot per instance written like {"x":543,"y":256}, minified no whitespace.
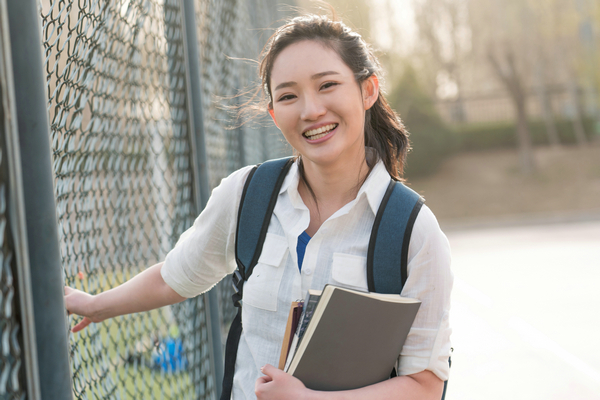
{"x":510,"y":78}
{"x":546,"y":106}
{"x":551,"y":130}
{"x":524,"y":137}
{"x":459,"y":104}
{"x":577,"y":120}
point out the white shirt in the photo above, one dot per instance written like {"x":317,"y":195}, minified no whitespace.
{"x":336,"y":254}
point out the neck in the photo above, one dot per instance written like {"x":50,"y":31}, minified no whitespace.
{"x":334,"y":185}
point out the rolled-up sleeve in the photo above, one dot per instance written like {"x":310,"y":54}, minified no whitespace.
{"x":205,"y":253}
{"x":430,"y":279}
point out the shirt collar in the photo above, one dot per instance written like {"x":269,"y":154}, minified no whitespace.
{"x":292,"y":177}
{"x":373,"y":188}
{"x":290,"y":184}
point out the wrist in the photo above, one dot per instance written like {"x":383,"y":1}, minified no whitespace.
{"x":96,"y":311}
{"x":311,"y":394}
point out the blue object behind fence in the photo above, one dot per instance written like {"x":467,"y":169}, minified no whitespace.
{"x":169,"y":355}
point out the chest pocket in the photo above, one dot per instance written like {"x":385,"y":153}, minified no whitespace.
{"x":350,"y":271}
{"x":262,"y":287}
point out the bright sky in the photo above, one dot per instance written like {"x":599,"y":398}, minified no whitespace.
{"x":402,"y":34}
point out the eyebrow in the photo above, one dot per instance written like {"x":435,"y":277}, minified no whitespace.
{"x":315,"y":76}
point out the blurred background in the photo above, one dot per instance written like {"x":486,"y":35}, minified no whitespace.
{"x":502,"y":99}
{"x":135,"y":99}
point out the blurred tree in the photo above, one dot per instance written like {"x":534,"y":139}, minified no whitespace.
{"x":589,"y":35}
{"x":562,"y":41}
{"x":501,"y":32}
{"x":444,"y":42}
{"x":543,"y":38}
{"x":539,"y":44}
{"x":431,"y":139}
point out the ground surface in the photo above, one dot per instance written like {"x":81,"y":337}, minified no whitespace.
{"x":525,"y":313}
{"x":476,"y":188}
{"x":526,"y":261}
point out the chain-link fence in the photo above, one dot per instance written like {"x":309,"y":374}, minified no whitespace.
{"x":231,"y":33}
{"x":124,"y":179}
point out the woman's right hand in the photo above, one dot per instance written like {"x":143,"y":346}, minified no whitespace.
{"x":80,"y":303}
{"x":144,"y":292}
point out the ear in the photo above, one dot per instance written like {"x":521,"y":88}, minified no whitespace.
{"x":272,"y":114}
{"x":370,"y":91}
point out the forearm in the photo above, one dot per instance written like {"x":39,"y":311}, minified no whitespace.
{"x":145,"y":291}
{"x":422,"y":386}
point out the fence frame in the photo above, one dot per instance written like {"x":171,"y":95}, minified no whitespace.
{"x":54,"y":372}
{"x":33,"y":206}
{"x":200,"y":171}
{"x":15,"y":211}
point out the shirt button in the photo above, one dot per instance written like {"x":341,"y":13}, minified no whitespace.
{"x":307,"y":271}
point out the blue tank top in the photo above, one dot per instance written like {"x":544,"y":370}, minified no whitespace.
{"x":303,"y":240}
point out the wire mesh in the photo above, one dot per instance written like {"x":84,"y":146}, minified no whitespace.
{"x":232,"y":32}
{"x":118,"y":112}
{"x":12,"y":374}
{"x":117,"y":104}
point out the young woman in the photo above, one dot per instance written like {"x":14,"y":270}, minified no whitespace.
{"x":322,"y":88}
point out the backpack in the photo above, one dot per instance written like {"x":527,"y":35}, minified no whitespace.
{"x":386,"y":270}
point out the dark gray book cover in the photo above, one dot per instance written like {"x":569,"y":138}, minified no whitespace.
{"x":353,"y":339}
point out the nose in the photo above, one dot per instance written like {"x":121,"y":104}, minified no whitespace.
{"x":312,"y":109}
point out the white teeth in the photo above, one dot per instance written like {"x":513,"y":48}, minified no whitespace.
{"x":315,"y":137}
{"x":319,"y":132}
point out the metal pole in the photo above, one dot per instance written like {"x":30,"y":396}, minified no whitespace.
{"x":201,"y":187}
{"x":42,"y":235}
{"x":15,"y":209}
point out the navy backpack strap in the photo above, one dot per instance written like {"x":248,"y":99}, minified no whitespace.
{"x":386,"y":266}
{"x":393,"y":225}
{"x":256,"y":206}
{"x":254,"y":214}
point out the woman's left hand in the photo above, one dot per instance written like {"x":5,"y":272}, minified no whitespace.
{"x":278,"y":385}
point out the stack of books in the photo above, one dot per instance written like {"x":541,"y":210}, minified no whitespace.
{"x":342,"y":339}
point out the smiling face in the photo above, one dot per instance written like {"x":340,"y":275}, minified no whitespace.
{"x":318,"y":105}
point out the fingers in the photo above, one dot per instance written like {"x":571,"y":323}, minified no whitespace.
{"x":271,"y":371}
{"x":76,"y":303}
{"x":276,"y":384}
{"x":68,"y":290}
{"x":81,"y":325}
{"x":263,"y":379}
{"x":259,"y":385}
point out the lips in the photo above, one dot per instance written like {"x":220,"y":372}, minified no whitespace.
{"x":314,"y":134}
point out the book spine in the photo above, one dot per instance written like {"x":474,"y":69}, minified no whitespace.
{"x":309,"y":309}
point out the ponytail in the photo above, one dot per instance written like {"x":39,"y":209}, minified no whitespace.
{"x":384,"y":131}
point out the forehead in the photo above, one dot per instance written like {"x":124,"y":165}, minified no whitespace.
{"x":304,"y":59}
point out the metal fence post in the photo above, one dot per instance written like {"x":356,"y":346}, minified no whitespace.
{"x":202,"y":190}
{"x":11,"y":178}
{"x":40,"y":210}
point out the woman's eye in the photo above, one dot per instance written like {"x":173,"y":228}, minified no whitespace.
{"x":286,"y":97}
{"x":327,"y":85}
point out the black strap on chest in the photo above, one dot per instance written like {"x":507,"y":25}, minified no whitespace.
{"x":254,"y":215}
{"x":392,"y":226}
{"x":386,"y":259}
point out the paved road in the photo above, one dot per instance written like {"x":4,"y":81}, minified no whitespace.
{"x":526,"y":313}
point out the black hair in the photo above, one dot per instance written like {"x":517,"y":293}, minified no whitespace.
{"x":384,"y":130}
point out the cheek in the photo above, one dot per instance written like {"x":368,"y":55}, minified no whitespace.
{"x":285,"y":118}
{"x":353,"y":104}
